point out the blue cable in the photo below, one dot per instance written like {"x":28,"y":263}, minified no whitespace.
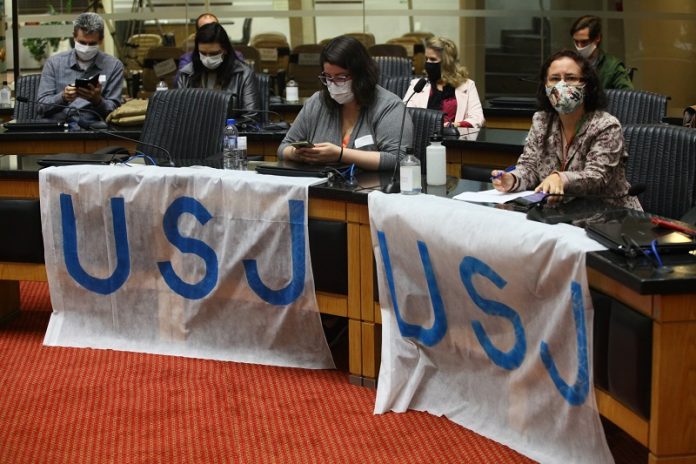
{"x":653,"y":245}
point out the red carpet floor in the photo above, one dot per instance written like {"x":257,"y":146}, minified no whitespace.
{"x":61,"y":405}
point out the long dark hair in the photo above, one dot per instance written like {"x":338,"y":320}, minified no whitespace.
{"x":594,"y":93}
{"x":213,"y":33}
{"x":348,"y":53}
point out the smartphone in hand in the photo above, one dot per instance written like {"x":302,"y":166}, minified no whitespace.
{"x":85,"y":81}
{"x":302,"y":144}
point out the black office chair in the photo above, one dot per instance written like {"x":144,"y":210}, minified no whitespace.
{"x":390,"y":66}
{"x":263,"y":82}
{"x":636,"y":106}
{"x":189,"y":123}
{"x":663,"y":157}
{"x":246,"y":34}
{"x":397,"y":85}
{"x":426,"y":122}
{"x":28,"y":87}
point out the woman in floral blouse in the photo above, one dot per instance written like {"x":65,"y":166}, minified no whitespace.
{"x":573,"y":147}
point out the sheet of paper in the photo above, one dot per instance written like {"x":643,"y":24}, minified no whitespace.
{"x":491,"y":196}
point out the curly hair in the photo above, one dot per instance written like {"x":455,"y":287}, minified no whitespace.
{"x":348,"y":53}
{"x":213,"y":33}
{"x":453,"y":73}
{"x":594,"y":93}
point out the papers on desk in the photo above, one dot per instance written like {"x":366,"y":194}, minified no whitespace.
{"x":491,"y":196}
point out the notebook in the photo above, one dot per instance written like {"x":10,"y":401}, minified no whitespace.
{"x":68,"y":159}
{"x":624,"y":230}
{"x":294,"y":169}
{"x":34,"y":125}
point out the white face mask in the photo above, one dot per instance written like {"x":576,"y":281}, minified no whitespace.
{"x":86,"y":52}
{"x":212,"y":62}
{"x":587,"y":50}
{"x":341,"y":93}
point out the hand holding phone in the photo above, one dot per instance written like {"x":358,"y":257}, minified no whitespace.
{"x":86,"y":81}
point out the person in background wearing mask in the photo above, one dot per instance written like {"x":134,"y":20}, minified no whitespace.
{"x":352,"y":120}
{"x":216,"y":66}
{"x":186,"y":58}
{"x":57,"y":86}
{"x":449,"y":88}
{"x":586,"y":32}
{"x":573,"y":147}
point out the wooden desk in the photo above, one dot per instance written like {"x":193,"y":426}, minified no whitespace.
{"x":498,"y":117}
{"x":484,"y":148}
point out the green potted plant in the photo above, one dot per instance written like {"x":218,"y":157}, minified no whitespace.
{"x":39,"y":47}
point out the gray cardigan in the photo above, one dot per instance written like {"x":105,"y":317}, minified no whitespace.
{"x":380,"y":123}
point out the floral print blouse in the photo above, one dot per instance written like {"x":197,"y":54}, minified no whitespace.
{"x":595,"y":163}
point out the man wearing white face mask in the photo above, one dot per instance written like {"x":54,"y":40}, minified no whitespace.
{"x":58,"y":76}
{"x":586,"y":32}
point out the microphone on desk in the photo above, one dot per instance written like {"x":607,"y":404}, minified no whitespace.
{"x":169,"y":162}
{"x":564,"y":213}
{"x":101,"y":124}
{"x":394,"y":186}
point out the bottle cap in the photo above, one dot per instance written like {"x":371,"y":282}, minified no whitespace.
{"x":230,"y":121}
{"x":436,"y":137}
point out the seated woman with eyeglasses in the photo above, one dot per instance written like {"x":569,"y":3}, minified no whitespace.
{"x":449,"y":88}
{"x":351,"y":120}
{"x":573,"y":147}
{"x":215,"y":65}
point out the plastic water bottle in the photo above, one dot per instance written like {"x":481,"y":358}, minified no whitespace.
{"x":240,"y":154}
{"x":292,"y":91}
{"x":5,"y":95}
{"x":410,"y":174}
{"x":161,"y":85}
{"x":436,"y":162}
{"x":229,"y":150}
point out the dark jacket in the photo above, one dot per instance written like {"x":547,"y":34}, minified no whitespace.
{"x":242,"y":85}
{"x":612,"y":72}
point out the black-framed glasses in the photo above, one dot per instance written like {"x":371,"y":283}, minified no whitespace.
{"x":339,"y":80}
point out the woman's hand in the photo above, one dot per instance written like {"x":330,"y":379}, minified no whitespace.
{"x":321,"y":153}
{"x":502,"y":181}
{"x":553,"y":184}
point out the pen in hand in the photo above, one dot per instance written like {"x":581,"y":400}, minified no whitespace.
{"x":500,"y":173}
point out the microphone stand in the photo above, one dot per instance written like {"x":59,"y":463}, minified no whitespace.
{"x":394,"y":186}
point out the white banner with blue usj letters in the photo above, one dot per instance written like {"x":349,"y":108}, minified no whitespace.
{"x":195,"y":262}
{"x":487,"y":320}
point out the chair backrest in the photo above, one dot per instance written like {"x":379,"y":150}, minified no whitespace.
{"x":422,"y":36}
{"x":156,"y":57}
{"x":415,"y":49}
{"x":388,"y":50}
{"x":636,"y":106}
{"x":263,"y":82}
{"x":274,"y":51}
{"x":304,"y":68}
{"x":251,"y":56}
{"x":397,"y":85}
{"x":390,"y":66}
{"x":189,"y":123}
{"x":663,"y":158}
{"x":246,"y":33}
{"x":426,"y":122}
{"x":137,"y":47}
{"x":366,"y":38}
{"x":26,"y":86}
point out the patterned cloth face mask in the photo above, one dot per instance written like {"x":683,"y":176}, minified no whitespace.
{"x":565,"y":98}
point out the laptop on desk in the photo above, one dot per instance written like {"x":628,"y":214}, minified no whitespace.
{"x":69,"y":159}
{"x":625,"y":230}
{"x":34,"y":125}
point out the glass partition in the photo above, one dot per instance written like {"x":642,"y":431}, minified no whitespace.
{"x":502,"y":42}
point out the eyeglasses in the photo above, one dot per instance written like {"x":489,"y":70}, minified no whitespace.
{"x":569,"y":79}
{"x":339,"y":80}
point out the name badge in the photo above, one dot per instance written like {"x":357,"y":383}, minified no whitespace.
{"x":364,"y":141}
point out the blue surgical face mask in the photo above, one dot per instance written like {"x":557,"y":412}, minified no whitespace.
{"x":565,"y":98}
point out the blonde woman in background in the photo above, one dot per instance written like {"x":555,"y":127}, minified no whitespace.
{"x":449,"y":88}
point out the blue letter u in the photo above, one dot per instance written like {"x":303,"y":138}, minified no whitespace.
{"x":72,"y":260}
{"x":293,"y":290}
{"x":507,"y":360}
{"x":577,"y":393}
{"x":188,"y":245}
{"x":431,"y":336}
